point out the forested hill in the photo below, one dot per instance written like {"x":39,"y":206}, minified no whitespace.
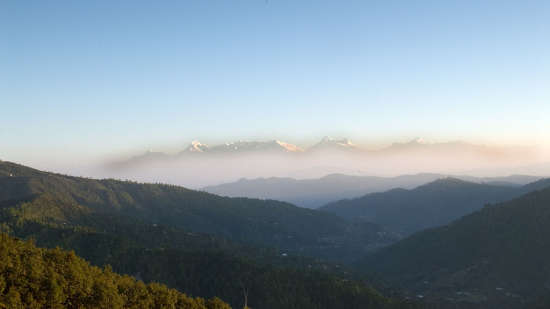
{"x":260,"y":222}
{"x":210,"y":270}
{"x":32,"y":277}
{"x":76,"y":213}
{"x":498,"y":255}
{"x":430,"y":205}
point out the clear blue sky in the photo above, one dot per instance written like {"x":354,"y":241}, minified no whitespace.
{"x":96,"y":77}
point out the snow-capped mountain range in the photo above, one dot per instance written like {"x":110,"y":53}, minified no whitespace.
{"x":241,"y":146}
{"x":328,"y":143}
{"x":331,"y":145}
{"x":268,"y":146}
{"x":198,"y":164}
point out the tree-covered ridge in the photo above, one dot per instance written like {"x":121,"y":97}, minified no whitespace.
{"x":253,"y":221}
{"x":203,"y":265}
{"x":269,"y":281}
{"x":32,"y":277}
{"x":498,"y":255}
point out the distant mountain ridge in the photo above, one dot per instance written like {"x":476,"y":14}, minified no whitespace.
{"x":430,"y":205}
{"x":314,"y":193}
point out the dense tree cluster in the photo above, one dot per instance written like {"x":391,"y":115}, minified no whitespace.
{"x":32,"y":277}
{"x":224,"y":271}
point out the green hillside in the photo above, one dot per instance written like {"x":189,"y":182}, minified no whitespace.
{"x":32,"y":277}
{"x":71,"y":200}
{"x":92,"y":218}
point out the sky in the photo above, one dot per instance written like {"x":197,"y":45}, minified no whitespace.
{"x":95,"y":78}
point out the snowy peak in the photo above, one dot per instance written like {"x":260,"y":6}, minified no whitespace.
{"x":328,"y":143}
{"x":289,"y":147}
{"x":197,"y":146}
{"x":243,"y":146}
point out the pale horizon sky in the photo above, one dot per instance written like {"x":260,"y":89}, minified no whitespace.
{"x":97,"y":78}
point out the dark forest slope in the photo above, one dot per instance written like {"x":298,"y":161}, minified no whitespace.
{"x":500,"y":254}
